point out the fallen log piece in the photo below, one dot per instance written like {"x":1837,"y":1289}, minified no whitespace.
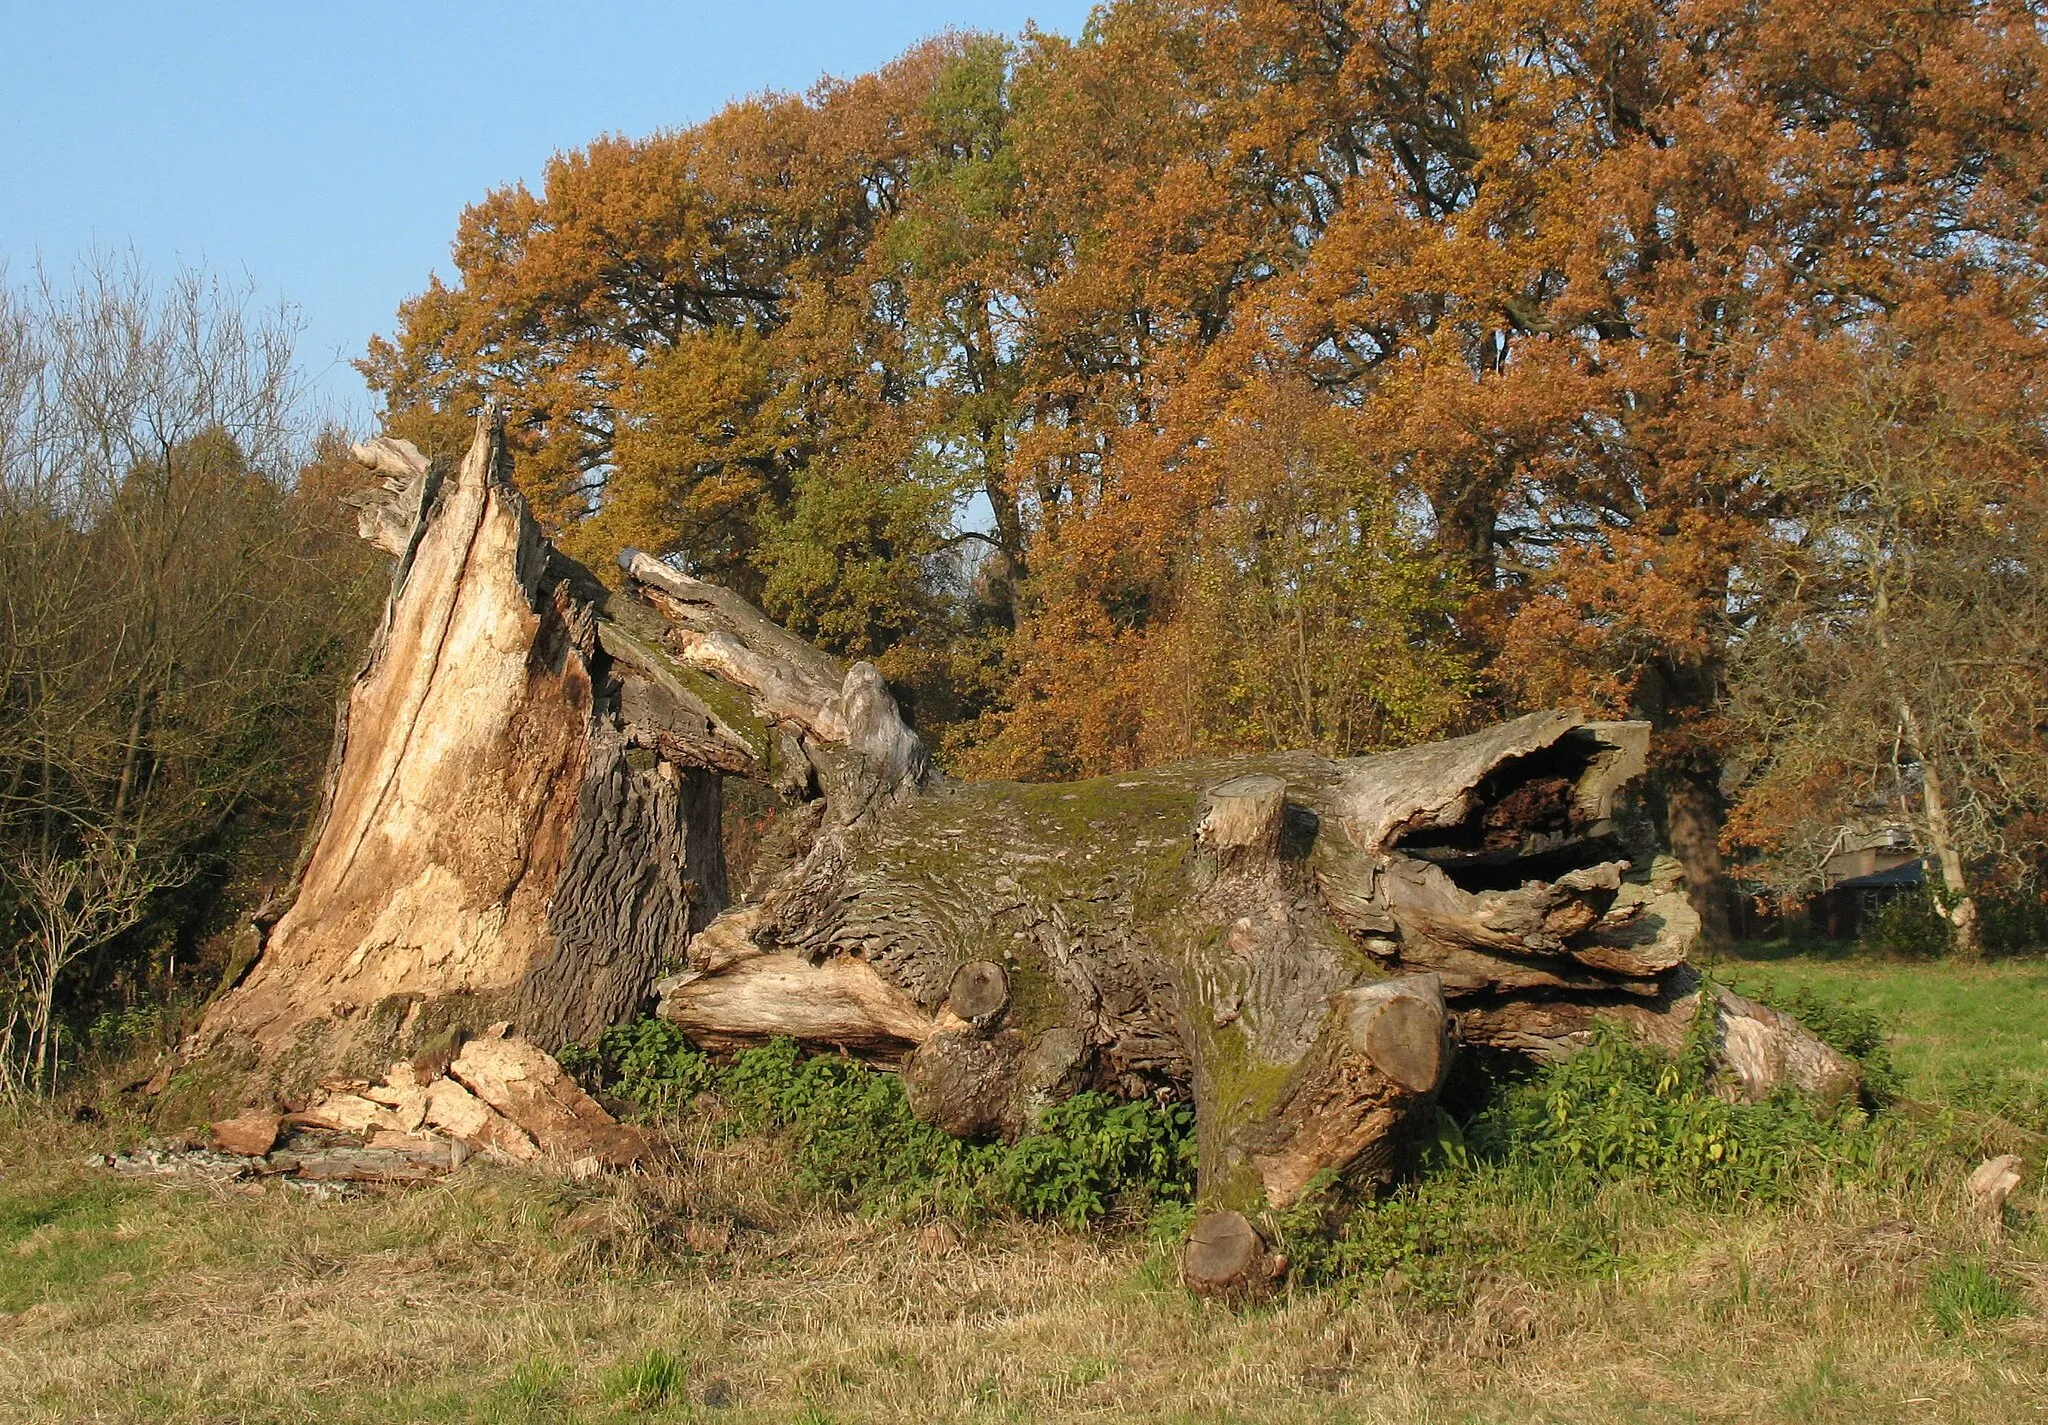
{"x":1226,"y":1255}
{"x":842,"y":1003}
{"x":1757,"y":1049}
{"x":390,"y":1164}
{"x":1990,"y":1183}
{"x":525,"y":1084}
{"x":1761,"y":1048}
{"x":249,"y":1134}
{"x":1378,"y":1063}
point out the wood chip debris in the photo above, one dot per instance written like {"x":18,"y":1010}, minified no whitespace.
{"x":501,"y":1098}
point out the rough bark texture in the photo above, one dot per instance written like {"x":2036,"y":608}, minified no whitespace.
{"x":522,"y":824}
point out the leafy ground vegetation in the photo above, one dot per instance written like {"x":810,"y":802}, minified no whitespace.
{"x":1606,"y":1240}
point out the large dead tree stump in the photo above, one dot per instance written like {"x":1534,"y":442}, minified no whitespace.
{"x":521,"y":823}
{"x":520,"y":816}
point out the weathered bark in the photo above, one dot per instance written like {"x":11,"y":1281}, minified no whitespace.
{"x":845,"y":722}
{"x":521,"y":825}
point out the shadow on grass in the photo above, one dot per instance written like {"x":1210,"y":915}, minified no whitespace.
{"x":1826,"y":952}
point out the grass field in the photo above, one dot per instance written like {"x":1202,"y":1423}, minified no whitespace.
{"x":713,"y":1293}
{"x":1960,"y":1034}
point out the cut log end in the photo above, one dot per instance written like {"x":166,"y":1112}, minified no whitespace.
{"x":1227,"y":1256}
{"x":1352,"y":1103}
{"x":979,"y":993}
{"x":1401,"y":1033}
{"x":1243,"y":815}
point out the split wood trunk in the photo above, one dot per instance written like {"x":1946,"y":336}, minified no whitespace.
{"x":521,"y":823}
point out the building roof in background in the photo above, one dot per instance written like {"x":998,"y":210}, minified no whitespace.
{"x":1907,"y":873}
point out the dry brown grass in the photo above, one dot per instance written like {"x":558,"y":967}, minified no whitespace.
{"x":503,"y":1296}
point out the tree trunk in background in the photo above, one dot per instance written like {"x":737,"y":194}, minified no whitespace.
{"x":521,"y":824}
{"x":1694,"y":812}
{"x":1956,"y":905}
{"x":1685,"y":786}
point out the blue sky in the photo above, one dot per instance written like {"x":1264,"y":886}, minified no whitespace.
{"x":325,"y":151}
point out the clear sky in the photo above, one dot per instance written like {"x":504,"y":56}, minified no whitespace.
{"x":324,"y":151}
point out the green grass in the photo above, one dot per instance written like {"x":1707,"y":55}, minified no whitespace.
{"x":1972,"y":1036}
{"x":1962,"y":1294}
{"x":719,"y":1288}
{"x":645,"y":1381}
{"x":66,"y":1240}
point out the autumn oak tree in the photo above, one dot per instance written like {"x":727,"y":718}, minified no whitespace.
{"x":1266,"y":374}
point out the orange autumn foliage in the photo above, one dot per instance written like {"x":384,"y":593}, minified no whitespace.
{"x":1232,"y":372}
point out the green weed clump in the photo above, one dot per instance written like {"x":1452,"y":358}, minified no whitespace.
{"x":1619,"y":1112}
{"x":1092,"y":1151}
{"x":643,"y":1382}
{"x":531,"y":1394}
{"x":1908,"y":926}
{"x":1857,"y":1030}
{"x":851,"y":1131}
{"x":855,"y":1142}
{"x":1961,"y":1294}
{"x":647,"y":1062}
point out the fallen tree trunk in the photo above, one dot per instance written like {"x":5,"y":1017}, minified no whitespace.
{"x":521,"y":824}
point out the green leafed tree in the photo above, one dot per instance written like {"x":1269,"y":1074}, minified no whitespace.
{"x":180,"y":607}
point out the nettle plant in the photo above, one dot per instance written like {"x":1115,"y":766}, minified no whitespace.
{"x":855,"y":1141}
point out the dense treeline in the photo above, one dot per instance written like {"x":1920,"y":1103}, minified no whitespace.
{"x":1277,"y":374}
{"x":1331,"y":374}
{"x":183,"y":598}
